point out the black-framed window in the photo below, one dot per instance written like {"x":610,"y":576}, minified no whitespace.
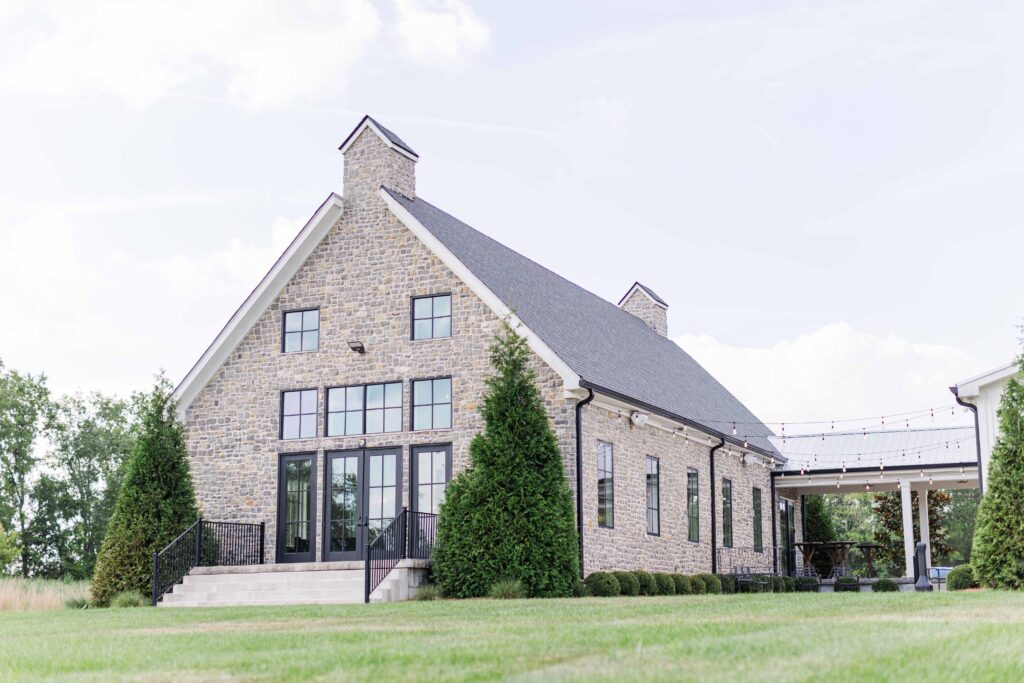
{"x":758,"y":533}
{"x":605,"y":485}
{"x":301,"y":330}
{"x":364,"y":409}
{"x":653,"y":496}
{"x":432,"y":316}
{"x":432,"y":403}
{"x":431,"y":472}
{"x":726,"y":513}
{"x":298,"y":414}
{"x":692,"y":506}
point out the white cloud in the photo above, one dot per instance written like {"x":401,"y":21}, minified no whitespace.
{"x":443,"y":32}
{"x":261,"y":53}
{"x":834,"y":372}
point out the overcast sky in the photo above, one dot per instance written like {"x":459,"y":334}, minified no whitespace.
{"x":827,"y":194}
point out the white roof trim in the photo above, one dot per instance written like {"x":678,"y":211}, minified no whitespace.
{"x":570,"y":380}
{"x":972,"y":386}
{"x":259,"y":300}
{"x":368,"y":123}
{"x":638,"y":287}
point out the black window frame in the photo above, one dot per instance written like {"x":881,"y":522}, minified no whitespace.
{"x":432,"y":318}
{"x":414,"y":472}
{"x":656,"y":509}
{"x":281,"y":415}
{"x":758,"y":520}
{"x":606,"y":504}
{"x":364,"y":409}
{"x":727,"y":535}
{"x":284,"y":329}
{"x":692,"y":505}
{"x":413,"y":405}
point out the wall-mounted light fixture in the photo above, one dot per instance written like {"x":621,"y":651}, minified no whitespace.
{"x":357,"y":346}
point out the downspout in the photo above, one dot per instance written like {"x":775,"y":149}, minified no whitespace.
{"x":714,"y":522}
{"x":775,"y":538}
{"x":579,"y":470}
{"x":977,"y":435}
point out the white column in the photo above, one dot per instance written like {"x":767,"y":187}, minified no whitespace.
{"x":908,"y":528}
{"x":926,"y":534}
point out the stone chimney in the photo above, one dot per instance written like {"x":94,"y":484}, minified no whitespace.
{"x":642,"y":302}
{"x":374,"y":156}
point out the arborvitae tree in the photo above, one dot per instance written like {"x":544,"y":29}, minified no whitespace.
{"x":998,"y":553}
{"x":509,"y":515}
{"x":156,"y":502}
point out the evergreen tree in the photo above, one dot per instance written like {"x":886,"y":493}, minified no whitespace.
{"x":998,"y":552}
{"x":888,"y":507}
{"x":818,"y":527}
{"x":156,"y":502}
{"x":509,"y":514}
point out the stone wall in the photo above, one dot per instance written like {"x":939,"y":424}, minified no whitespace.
{"x":643,"y":307}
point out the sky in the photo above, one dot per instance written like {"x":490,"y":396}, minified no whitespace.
{"x":826,"y":193}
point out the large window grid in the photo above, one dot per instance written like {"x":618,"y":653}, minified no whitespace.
{"x":692,"y":506}
{"x":432,"y":468}
{"x":726,"y":513}
{"x":432,"y":316}
{"x":364,"y":409}
{"x":758,"y":533}
{"x":298,"y":414}
{"x":301,"y":330}
{"x":382,"y":491}
{"x":432,"y":404}
{"x":653,"y":496}
{"x":605,"y":485}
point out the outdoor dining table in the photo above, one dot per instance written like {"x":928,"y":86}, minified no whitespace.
{"x":807,"y":550}
{"x":839,"y":552}
{"x":868,"y":550}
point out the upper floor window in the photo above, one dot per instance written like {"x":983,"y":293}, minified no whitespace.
{"x":432,"y":316}
{"x":364,"y":409}
{"x":605,"y":485}
{"x":653,"y":496}
{"x":432,"y":403}
{"x":301,"y":330}
{"x":758,"y":533}
{"x":726,"y":513}
{"x":692,"y":506}
{"x":298,"y":414}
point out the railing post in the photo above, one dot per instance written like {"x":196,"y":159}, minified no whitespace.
{"x":366,"y":585}
{"x":156,"y":578}
{"x":263,"y":533}
{"x":404,"y":530}
{"x":199,"y":541}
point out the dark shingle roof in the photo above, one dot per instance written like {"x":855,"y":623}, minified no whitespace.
{"x":650,"y":293}
{"x":387,"y":133}
{"x":606,"y":346}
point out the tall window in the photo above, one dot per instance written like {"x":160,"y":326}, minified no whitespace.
{"x":605,"y":485}
{"x":432,"y":404}
{"x":758,"y":537}
{"x":301,"y":331}
{"x":364,"y":409}
{"x":653,"y":497}
{"x":432,"y":468}
{"x":381,"y":491}
{"x":432,"y":317}
{"x":692,"y":506}
{"x":298,"y":414}
{"x":726,"y":513}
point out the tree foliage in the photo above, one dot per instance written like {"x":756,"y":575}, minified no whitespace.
{"x":9,"y":548}
{"x":509,"y":514}
{"x":998,"y":552}
{"x":959,"y":521}
{"x":888,"y":508}
{"x":156,"y":502}
{"x":818,"y":527}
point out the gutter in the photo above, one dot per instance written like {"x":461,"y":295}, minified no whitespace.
{"x":714,"y":522}
{"x":977,"y":435}
{"x":579,"y":470}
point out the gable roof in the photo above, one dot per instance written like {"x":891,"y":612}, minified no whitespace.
{"x":390,"y":138}
{"x":646,"y":290}
{"x":611,"y":350}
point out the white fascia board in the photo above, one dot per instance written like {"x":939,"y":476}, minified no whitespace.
{"x":570,"y":380}
{"x":972,"y":387}
{"x":254,"y":306}
{"x":367,"y":123}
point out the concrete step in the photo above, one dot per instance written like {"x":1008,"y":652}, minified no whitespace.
{"x":294,"y":596}
{"x":282,"y":579}
{"x":248,"y":603}
{"x":249,"y":587}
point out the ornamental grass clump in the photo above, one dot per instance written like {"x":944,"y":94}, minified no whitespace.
{"x":666,"y":586}
{"x":509,"y":514}
{"x":628,"y":583}
{"x":603,"y":585}
{"x":507,"y":589}
{"x":683,"y":584}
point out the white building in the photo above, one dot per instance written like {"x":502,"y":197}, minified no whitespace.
{"x":983,"y":394}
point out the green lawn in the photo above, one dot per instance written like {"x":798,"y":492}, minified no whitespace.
{"x":792,"y":637}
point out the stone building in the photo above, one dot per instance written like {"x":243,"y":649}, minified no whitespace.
{"x":346,"y":387}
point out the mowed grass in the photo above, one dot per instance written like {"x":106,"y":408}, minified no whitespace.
{"x":792,"y":637}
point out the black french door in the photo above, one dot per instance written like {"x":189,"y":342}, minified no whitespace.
{"x":362,"y":494}
{"x":787,"y":519}
{"x":296,"y":512}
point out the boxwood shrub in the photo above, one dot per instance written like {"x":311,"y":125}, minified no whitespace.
{"x":683,"y":586}
{"x":728,"y":583}
{"x":666,"y":586}
{"x":628,"y":583}
{"x":960,"y":578}
{"x":648,"y":586}
{"x":711,"y":583}
{"x":777,"y":585}
{"x":885,"y":586}
{"x":807,"y":584}
{"x":788,"y":584}
{"x":847,"y":584}
{"x":602,"y":584}
{"x":697,"y":586}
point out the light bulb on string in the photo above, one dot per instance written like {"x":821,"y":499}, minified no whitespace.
{"x":734,"y":429}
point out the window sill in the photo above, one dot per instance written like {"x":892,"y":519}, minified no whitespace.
{"x":430,"y":339}
{"x":443,"y":430}
{"x":299,"y":353}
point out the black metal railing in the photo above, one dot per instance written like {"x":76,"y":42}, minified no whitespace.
{"x":409,"y":535}
{"x":206,"y":544}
